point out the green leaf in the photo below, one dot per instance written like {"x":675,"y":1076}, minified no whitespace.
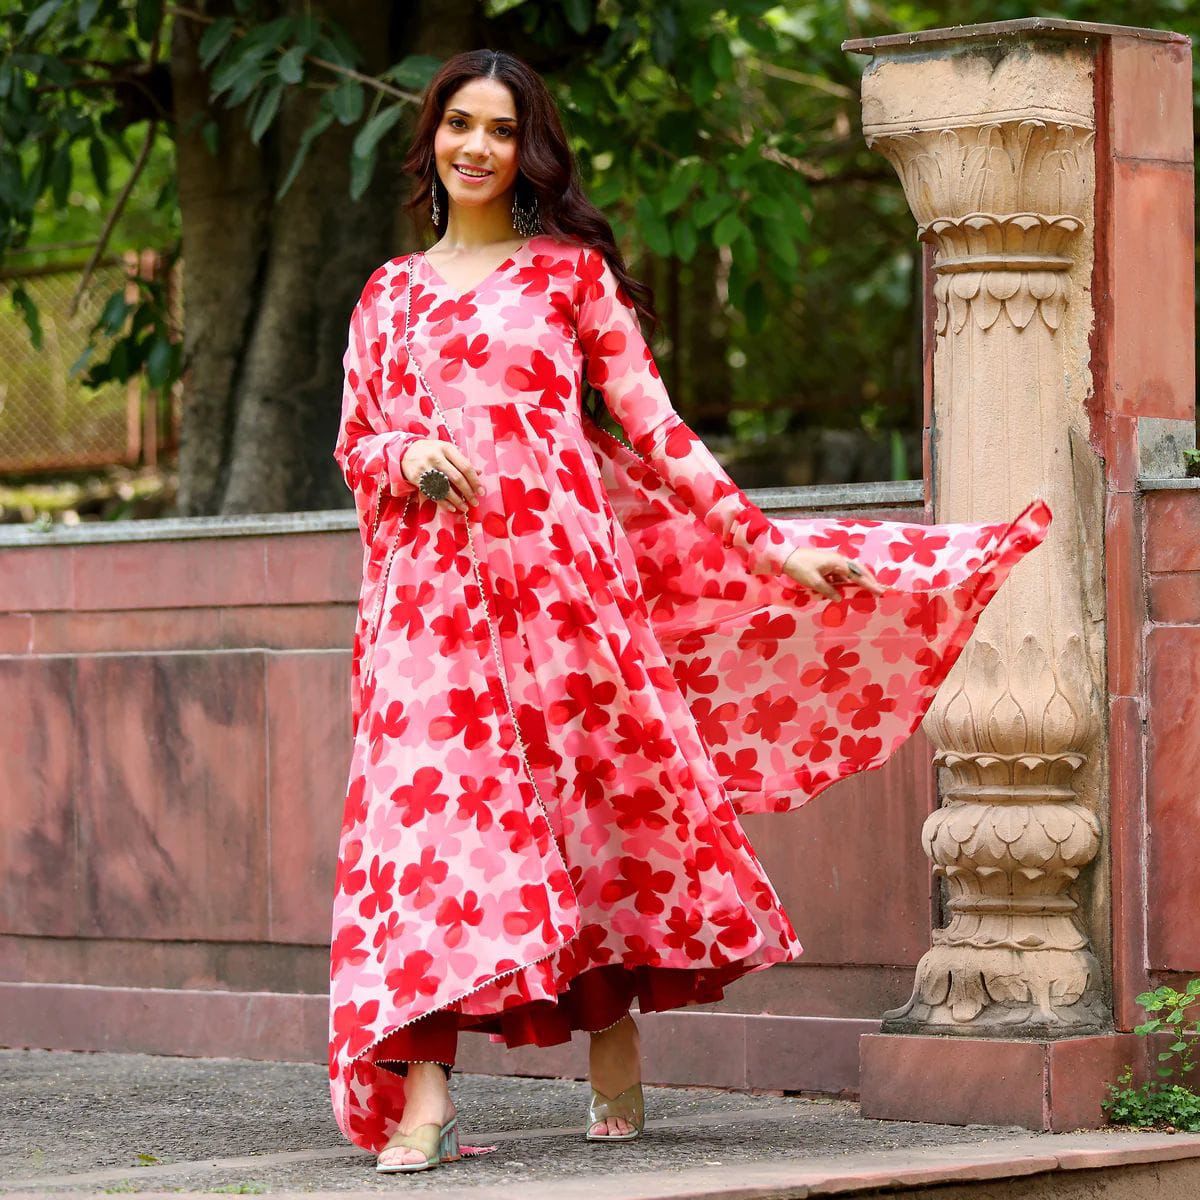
{"x":711,"y":207}
{"x":320,"y":124}
{"x":112,"y":316}
{"x":85,"y":14}
{"x":290,"y":67}
{"x":362,"y":168}
{"x":24,"y":304}
{"x":728,"y":229}
{"x":1178,"y":1046}
{"x":683,"y":234}
{"x":579,"y":14}
{"x":149,"y":17}
{"x":683,"y":181}
{"x":369,"y":135}
{"x":720,"y":58}
{"x":60,"y":175}
{"x":158,"y":362}
{"x":754,"y":306}
{"x":41,"y":17}
{"x":215,"y":38}
{"x":414,"y":72}
{"x":264,"y":111}
{"x":98,"y":157}
{"x":347,"y":101}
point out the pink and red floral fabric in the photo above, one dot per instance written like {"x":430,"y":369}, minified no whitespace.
{"x":661,"y":674}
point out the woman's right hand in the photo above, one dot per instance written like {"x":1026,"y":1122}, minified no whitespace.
{"x":445,"y":456}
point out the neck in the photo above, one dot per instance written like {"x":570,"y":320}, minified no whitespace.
{"x":478,"y":226}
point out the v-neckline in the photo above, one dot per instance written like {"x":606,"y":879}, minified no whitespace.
{"x":445,"y":283}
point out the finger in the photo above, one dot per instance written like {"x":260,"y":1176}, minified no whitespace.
{"x":461,"y":490}
{"x":466,"y":471}
{"x":816,"y":581}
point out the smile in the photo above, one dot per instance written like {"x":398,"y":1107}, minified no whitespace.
{"x":471,"y":172}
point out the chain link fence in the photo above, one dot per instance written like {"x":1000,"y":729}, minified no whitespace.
{"x":49,"y":420}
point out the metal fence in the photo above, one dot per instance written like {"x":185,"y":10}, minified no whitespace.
{"x":49,"y":420}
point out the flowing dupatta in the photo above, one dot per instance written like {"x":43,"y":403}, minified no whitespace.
{"x":792,"y":691}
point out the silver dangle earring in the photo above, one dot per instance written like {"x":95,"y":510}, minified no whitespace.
{"x":437,"y":212}
{"x":525,"y":218}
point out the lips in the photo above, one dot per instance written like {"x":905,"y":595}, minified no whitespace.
{"x":463,"y":169}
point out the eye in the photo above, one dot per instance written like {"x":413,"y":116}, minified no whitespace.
{"x":458,"y":119}
{"x":506,"y":130}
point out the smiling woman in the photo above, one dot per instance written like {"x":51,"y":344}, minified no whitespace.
{"x":576,"y":665}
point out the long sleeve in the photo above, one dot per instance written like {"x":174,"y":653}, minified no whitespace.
{"x":620,"y":366}
{"x":370,"y":446}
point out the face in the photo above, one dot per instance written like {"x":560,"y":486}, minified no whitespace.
{"x":478,"y":129}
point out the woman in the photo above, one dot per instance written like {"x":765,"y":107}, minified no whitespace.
{"x":574,"y":664}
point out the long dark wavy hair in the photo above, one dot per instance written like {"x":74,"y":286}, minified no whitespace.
{"x":546,"y":167}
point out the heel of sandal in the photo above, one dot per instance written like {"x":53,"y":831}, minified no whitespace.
{"x":448,"y":1147}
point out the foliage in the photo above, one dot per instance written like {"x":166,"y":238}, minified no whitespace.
{"x":1157,"y":1101}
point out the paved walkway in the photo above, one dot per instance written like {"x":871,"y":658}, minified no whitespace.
{"x":107,"y":1123}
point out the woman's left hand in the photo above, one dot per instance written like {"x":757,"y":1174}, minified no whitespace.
{"x":821,"y":569}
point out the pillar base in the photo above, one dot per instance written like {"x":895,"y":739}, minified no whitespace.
{"x":1047,"y":1085}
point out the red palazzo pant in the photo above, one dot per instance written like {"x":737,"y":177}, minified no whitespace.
{"x":593,"y":1001}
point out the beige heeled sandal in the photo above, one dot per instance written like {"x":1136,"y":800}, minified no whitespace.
{"x":630,"y":1106}
{"x":439,"y":1144}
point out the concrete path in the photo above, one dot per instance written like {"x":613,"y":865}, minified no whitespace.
{"x":108,"y":1123}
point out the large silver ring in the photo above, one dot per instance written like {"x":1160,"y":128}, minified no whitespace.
{"x":853,"y":568}
{"x":434,"y":483}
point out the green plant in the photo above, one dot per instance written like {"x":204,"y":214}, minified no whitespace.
{"x":1157,"y":1102}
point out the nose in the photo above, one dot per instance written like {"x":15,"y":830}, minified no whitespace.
{"x":476,"y":143}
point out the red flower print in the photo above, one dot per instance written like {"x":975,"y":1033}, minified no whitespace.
{"x":414,"y":977}
{"x":420,"y":797}
{"x":349,"y":879}
{"x":598,"y":348}
{"x":819,"y":743}
{"x":764,"y":632}
{"x":382,"y":881}
{"x":467,"y":718}
{"x":648,"y":738}
{"x":683,"y":926}
{"x":476,"y":798}
{"x":574,"y":619}
{"x":640,"y":880}
{"x":740,"y":767}
{"x":347,"y":950}
{"x":576,"y":481}
{"x":927,"y":615}
{"x":831,"y":675}
{"x":386,"y":932}
{"x":523,"y":504}
{"x":643,"y":809}
{"x":453,"y":914}
{"x":866,"y":708}
{"x":351,"y":1027}
{"x":407,"y":613}
{"x":859,"y":753}
{"x":920,"y":545}
{"x":534,"y":915}
{"x":768,"y":715}
{"x":459,"y":353}
{"x":419,"y":878}
{"x":585,"y":698}
{"x":455,"y":630}
{"x":694,"y":676}
{"x":541,"y":376}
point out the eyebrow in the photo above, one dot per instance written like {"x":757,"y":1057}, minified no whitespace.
{"x":506,"y":120}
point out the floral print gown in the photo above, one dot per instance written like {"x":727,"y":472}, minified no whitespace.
{"x":562,"y":700}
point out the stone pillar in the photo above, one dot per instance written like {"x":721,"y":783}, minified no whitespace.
{"x":992,"y":130}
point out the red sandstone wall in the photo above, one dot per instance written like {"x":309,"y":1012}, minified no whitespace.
{"x":174,"y":726}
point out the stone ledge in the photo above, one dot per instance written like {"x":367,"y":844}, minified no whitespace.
{"x":898,"y":493}
{"x":1022,"y":25}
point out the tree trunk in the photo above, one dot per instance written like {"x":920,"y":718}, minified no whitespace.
{"x":269,"y":284}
